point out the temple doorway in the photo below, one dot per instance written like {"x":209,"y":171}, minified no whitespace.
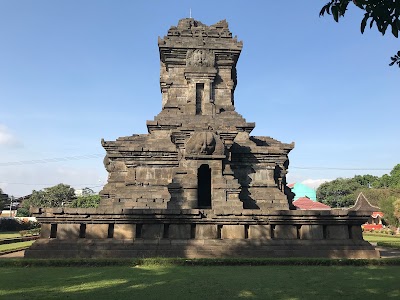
{"x":204,"y":187}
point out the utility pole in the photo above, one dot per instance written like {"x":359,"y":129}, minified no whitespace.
{"x":11,"y":201}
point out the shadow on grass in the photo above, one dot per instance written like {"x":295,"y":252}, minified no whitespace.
{"x":208,"y":282}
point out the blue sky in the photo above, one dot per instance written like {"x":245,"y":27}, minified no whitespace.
{"x":73,"y":72}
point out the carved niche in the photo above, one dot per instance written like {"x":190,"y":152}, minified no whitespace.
{"x":200,"y":58}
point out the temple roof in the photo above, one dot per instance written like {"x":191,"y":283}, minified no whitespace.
{"x":363,"y":204}
{"x":306,"y":203}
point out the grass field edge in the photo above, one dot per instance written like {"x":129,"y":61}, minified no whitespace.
{"x":159,"y":261}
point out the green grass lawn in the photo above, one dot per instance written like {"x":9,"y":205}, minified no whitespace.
{"x":206,"y":282}
{"x":7,"y":247}
{"x":9,"y":234}
{"x":379,"y":238}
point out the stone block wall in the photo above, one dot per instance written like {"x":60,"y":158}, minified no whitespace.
{"x":124,"y":231}
{"x":149,"y":231}
{"x":260,"y":232}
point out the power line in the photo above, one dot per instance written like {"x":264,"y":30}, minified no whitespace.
{"x":91,"y":156}
{"x":20,"y":183}
{"x":341,"y":169}
{"x":50,"y":160}
{"x":92,"y":185}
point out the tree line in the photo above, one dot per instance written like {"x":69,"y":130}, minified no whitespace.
{"x":383,"y":192}
{"x":59,"y":195}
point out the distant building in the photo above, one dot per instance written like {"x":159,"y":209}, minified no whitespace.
{"x":301,"y":190}
{"x":3,"y":197}
{"x":22,"y":199}
{"x":375,"y":220}
{"x":79,"y":192}
{"x":305,"y":203}
{"x":7,"y":213}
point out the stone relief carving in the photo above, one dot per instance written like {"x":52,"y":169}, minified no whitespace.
{"x":108,"y":164}
{"x":200,"y":58}
{"x":204,"y":143}
{"x":112,"y":166}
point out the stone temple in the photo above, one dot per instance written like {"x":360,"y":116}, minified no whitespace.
{"x":198,"y":184}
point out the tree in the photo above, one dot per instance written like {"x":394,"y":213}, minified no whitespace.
{"x":366,"y":180}
{"x":59,"y":195}
{"x":87,"y":191}
{"x":383,"y":182}
{"x":55,"y":196}
{"x":86,"y":201}
{"x":383,"y":192}
{"x":3,"y":200}
{"x":396,"y":210}
{"x":388,"y":208}
{"x":23,"y":212}
{"x":389,"y":181}
{"x":339,"y":192}
{"x":395,"y":177}
{"x":382,"y":13}
{"x":375,"y":196}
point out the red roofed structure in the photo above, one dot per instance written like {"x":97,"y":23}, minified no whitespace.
{"x":305,"y":203}
{"x":375,"y":221}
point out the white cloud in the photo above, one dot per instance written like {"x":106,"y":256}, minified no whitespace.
{"x":7,"y":138}
{"x":3,"y":187}
{"x":314,"y":183}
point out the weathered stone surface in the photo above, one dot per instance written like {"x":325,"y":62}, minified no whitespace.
{"x":233,"y":232}
{"x":356,"y":233}
{"x":198,"y":125}
{"x":179,"y":231}
{"x":337,"y":232}
{"x":285,"y":232}
{"x":198,"y":184}
{"x":96,"y":231}
{"x":206,"y":231}
{"x":124,"y":231}
{"x":152,"y":231}
{"x":45,"y":231}
{"x":259,"y":232}
{"x":311,"y":232}
{"x":68,"y":231}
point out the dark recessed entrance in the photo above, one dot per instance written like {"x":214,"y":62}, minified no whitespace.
{"x":204,"y":187}
{"x":199,"y":98}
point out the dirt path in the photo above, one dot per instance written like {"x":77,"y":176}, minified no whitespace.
{"x":18,"y":254}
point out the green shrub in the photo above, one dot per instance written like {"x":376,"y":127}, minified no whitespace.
{"x":12,"y":224}
{"x":383,"y":231}
{"x":23,"y":212}
{"x":389,"y":244}
{"x":86,"y":201}
{"x":34,"y":231}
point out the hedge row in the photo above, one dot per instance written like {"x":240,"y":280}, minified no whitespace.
{"x":389,"y":244}
{"x":196,"y":262}
{"x":12,"y":224}
{"x":369,"y":233}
